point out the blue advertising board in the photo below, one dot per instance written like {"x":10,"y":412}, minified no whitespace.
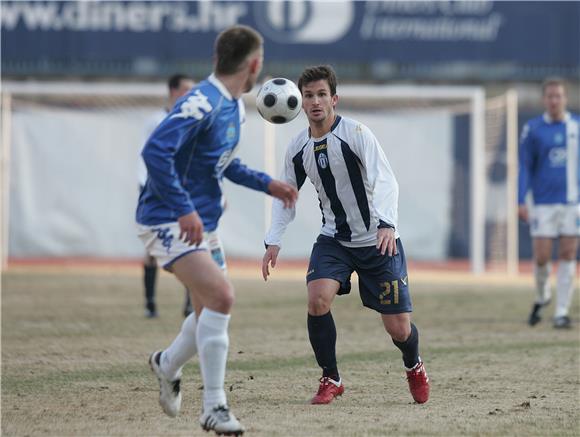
{"x":527,"y":33}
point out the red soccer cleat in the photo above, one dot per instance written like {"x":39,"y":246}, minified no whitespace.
{"x":418,"y":383}
{"x":327,"y":391}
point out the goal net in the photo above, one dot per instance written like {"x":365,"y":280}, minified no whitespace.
{"x":70,"y":155}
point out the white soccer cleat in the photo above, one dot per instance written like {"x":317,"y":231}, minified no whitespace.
{"x":169,"y":392}
{"x":222,"y":421}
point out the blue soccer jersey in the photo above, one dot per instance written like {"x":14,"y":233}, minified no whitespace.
{"x":188,"y":155}
{"x":549,"y":162}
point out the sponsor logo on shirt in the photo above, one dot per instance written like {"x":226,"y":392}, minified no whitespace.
{"x":193,"y":106}
{"x":221,"y":164}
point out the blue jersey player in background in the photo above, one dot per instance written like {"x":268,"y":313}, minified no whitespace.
{"x":187,"y":156}
{"x":549,"y":167}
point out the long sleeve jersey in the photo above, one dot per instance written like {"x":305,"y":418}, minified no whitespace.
{"x":152,"y":122}
{"x":549,"y":162}
{"x":188,"y":155}
{"x":357,"y":190}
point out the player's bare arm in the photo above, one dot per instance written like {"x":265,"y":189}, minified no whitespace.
{"x":191,"y":228}
{"x":283,"y":191}
{"x":386,"y":241}
{"x":270,"y":258}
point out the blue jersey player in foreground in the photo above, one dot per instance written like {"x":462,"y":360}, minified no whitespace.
{"x":358,"y":196}
{"x":187,"y":156}
{"x":549,"y":167}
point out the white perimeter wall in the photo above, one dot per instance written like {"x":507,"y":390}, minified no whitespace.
{"x":73,"y":183}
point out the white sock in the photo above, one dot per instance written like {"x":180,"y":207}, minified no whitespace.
{"x":181,"y":350}
{"x":565,"y":286}
{"x":542,"y":274}
{"x":213,"y":342}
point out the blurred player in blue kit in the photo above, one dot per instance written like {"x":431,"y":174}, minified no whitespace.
{"x":187,"y":157}
{"x":549,"y":167}
{"x":178,"y":85}
{"x":358,"y":196}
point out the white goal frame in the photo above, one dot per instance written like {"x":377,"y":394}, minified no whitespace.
{"x":475,"y":96}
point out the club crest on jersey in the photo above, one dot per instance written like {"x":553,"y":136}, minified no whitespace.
{"x":193,"y":106}
{"x":231,"y":132}
{"x":558,"y":138}
{"x":323,"y":160}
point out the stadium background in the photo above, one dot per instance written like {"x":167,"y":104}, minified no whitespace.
{"x":69,"y":159}
{"x":79,"y":82}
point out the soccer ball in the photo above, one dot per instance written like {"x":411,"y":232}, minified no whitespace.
{"x":279,"y":100}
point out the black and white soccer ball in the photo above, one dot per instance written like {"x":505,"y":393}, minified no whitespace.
{"x":279,"y":100}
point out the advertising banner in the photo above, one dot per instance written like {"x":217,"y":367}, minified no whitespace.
{"x":539,"y":33}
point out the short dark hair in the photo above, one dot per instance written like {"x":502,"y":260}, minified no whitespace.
{"x":552,"y":81}
{"x":175,"y":81}
{"x":320,"y":72}
{"x":233,"y":46}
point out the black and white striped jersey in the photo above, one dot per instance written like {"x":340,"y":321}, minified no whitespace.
{"x":357,"y":190}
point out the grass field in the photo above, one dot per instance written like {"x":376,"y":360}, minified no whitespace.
{"x":75,"y":348}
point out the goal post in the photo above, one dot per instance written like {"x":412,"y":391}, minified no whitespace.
{"x":6,"y":123}
{"x":511,"y":98}
{"x":477,"y":158}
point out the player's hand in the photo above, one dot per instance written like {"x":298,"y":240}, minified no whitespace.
{"x":270,"y":257}
{"x":386,"y":242}
{"x":523,"y":213}
{"x":191,"y":228}
{"x":283,"y":191}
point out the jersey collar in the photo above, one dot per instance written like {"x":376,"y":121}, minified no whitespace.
{"x":220,"y":86}
{"x":334,"y":124}
{"x":548,"y":119}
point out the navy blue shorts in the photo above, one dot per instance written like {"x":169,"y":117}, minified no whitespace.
{"x":382,"y":279}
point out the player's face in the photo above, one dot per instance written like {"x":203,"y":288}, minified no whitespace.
{"x":256,"y":62}
{"x":184,"y":87}
{"x":555,"y":101}
{"x":317,"y":102}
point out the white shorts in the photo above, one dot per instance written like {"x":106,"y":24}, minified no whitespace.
{"x":162,"y":242}
{"x":558,"y":220}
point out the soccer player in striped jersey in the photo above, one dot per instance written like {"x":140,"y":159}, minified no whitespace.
{"x":187,"y":157}
{"x":358,"y":196}
{"x":549,"y":164}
